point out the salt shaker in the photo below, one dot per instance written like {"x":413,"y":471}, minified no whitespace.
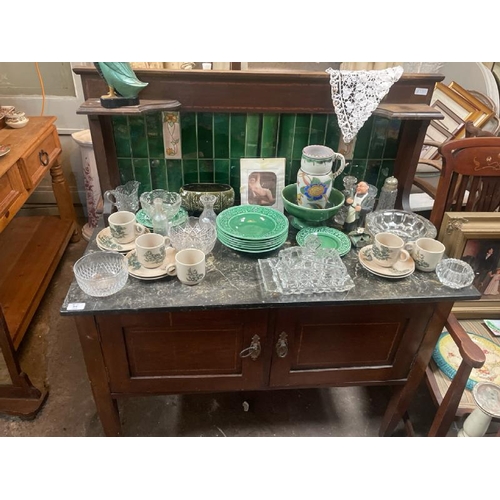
{"x":388,"y":194}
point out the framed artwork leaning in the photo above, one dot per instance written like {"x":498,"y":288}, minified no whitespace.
{"x":262,"y":181}
{"x":474,"y":237}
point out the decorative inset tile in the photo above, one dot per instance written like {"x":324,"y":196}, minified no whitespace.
{"x":172,"y":134}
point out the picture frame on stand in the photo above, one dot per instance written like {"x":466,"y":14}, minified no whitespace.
{"x":262,"y":181}
{"x":474,"y":237}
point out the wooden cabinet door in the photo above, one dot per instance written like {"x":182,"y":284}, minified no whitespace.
{"x":185,"y":351}
{"x":335,"y":346}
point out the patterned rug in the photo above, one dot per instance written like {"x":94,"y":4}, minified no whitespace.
{"x":447,"y":357}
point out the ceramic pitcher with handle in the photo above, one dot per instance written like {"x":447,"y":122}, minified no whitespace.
{"x":315,"y":177}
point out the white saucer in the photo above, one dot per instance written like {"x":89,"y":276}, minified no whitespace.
{"x":143,"y":273}
{"x":402,"y":269}
{"x":107,"y":243}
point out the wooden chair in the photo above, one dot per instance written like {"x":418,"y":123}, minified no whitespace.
{"x":469,"y":182}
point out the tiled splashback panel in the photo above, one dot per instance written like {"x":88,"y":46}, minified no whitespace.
{"x":211,"y":145}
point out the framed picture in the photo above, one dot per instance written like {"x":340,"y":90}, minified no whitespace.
{"x":475,"y":238}
{"x":437,"y":133}
{"x":262,"y":181}
{"x":484,"y":112}
{"x":451,"y":121}
{"x":460,"y":106}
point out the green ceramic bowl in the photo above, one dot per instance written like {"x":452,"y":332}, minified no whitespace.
{"x":310,"y":216}
{"x":190,"y":195}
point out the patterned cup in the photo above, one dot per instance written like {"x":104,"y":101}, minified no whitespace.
{"x":150,"y":250}
{"x":426,"y":253}
{"x":123,"y":227}
{"x":388,"y":249}
{"x":190,"y":264}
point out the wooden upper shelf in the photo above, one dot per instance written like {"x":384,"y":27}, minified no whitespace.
{"x":256,"y":92}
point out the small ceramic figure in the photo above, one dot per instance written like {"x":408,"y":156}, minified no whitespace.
{"x":359,"y":205}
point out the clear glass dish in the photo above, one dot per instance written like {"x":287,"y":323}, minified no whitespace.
{"x":193,"y":235}
{"x":455,"y":273}
{"x":171,"y":202}
{"x":407,"y":225}
{"x":101,"y":274}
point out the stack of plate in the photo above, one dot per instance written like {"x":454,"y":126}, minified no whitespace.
{"x":252,"y":229}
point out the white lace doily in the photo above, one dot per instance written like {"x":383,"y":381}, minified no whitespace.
{"x":356,"y":95}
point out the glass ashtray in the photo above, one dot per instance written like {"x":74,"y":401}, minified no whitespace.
{"x":455,"y":273}
{"x":407,"y":225}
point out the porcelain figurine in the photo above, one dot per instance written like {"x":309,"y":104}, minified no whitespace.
{"x":359,"y":205}
{"x":123,"y":85}
{"x":315,"y":177}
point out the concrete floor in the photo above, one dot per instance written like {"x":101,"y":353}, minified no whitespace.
{"x":50,"y":354}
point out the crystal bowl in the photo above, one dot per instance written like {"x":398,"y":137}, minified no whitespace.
{"x":192,"y":234}
{"x":314,"y":216}
{"x":101,"y":274}
{"x":171,"y":202}
{"x":455,"y":273}
{"x":407,"y":225}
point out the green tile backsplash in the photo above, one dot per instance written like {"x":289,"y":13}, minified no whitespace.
{"x":213,"y":143}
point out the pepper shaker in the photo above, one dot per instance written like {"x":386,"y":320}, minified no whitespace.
{"x":388,"y":194}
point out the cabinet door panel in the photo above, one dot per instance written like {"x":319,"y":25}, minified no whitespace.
{"x":168,"y":353}
{"x":12,"y":195}
{"x":347,"y":345}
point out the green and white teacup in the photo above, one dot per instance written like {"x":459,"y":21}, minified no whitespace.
{"x":150,"y":250}
{"x":426,"y":253}
{"x":388,"y":249}
{"x":123,"y":226}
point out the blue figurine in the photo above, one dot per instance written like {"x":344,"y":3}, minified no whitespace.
{"x":123,"y":85}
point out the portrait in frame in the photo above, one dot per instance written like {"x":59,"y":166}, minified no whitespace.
{"x":262,"y":181}
{"x":474,"y":237}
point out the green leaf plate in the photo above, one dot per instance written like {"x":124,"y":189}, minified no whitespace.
{"x":329,"y":238}
{"x":251,"y":222}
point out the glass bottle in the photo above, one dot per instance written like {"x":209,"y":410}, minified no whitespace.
{"x":348,"y":192}
{"x":208,"y":215}
{"x":160,"y":219}
{"x":388,"y":194}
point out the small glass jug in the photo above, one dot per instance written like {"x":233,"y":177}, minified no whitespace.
{"x":125,"y":197}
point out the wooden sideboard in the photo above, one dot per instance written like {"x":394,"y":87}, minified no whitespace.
{"x":227,"y":334}
{"x":30,"y":247}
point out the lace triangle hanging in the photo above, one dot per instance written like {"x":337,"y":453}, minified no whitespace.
{"x":356,"y":95}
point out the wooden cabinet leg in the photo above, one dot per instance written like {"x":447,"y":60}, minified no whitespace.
{"x":107,"y":407}
{"x":63,"y":198}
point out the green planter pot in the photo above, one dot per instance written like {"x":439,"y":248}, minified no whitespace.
{"x":190,"y":196}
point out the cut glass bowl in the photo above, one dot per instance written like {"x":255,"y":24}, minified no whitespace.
{"x":171,"y":202}
{"x":102,"y":273}
{"x":192,"y":234}
{"x":407,"y":225}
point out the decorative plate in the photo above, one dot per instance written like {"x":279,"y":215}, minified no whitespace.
{"x":402,"y":269}
{"x":143,"y":218}
{"x":255,"y":249}
{"x":252,"y":222}
{"x":107,"y":243}
{"x":329,"y":238}
{"x":448,"y":359}
{"x":4,"y":150}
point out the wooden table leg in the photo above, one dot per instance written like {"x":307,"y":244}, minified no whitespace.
{"x":63,"y":198}
{"x":403,"y":396}
{"x":107,"y":407}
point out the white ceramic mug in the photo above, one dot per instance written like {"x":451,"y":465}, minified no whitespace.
{"x":150,"y":250}
{"x":388,"y":249}
{"x":426,"y":253}
{"x":190,"y":264}
{"x":123,"y":226}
